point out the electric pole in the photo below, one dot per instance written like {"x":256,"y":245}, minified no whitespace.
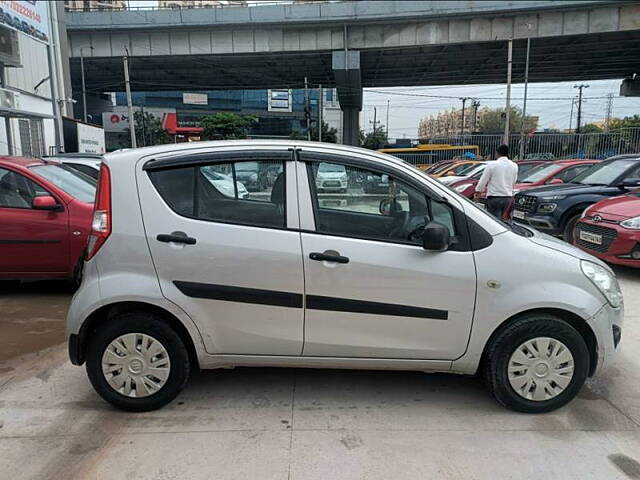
{"x":464,"y":100}
{"x":127,"y":85}
{"x":607,"y":120}
{"x":387,"y":121}
{"x":320,"y":100}
{"x":579,"y":87}
{"x":573,"y":102}
{"x":475,"y":104}
{"x":524,"y":103}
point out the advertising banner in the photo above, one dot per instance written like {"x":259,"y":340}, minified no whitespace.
{"x":90,"y":139}
{"x":30,"y":17}
{"x":279,"y":101}
{"x":195,"y":99}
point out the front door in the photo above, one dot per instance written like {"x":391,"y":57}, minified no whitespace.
{"x":225,"y":254}
{"x":33,"y":243}
{"x":371,"y":289}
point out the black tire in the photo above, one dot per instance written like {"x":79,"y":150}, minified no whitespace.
{"x":510,"y":338}
{"x":138,"y":322}
{"x":567,"y":233}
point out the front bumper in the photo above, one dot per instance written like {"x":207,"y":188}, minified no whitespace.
{"x":616,"y":247}
{"x":544,"y":223}
{"x":607,"y":328}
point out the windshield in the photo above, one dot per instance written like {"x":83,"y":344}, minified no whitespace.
{"x":540,"y":173}
{"x":524,"y":169}
{"x":247,"y":166}
{"x":331,"y":167}
{"x":604,"y":173}
{"x":71,"y":181}
{"x":477,"y":169}
{"x":461,"y":169}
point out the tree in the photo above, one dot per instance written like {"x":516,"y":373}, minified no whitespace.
{"x":329,"y":134}
{"x":492,"y":121}
{"x":226,"y":125}
{"x":377,"y":138}
{"x":590,"y":128}
{"x":149,"y":130}
{"x":626,"y":122}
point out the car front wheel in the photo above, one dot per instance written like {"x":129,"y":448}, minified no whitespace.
{"x":569,"y":227}
{"x":137,"y":362}
{"x":537,"y":364}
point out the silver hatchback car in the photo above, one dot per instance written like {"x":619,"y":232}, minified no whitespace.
{"x":180,"y":275}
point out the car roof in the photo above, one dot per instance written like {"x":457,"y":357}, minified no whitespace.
{"x":87,"y":156}
{"x":22,"y":161}
{"x":570,"y":161}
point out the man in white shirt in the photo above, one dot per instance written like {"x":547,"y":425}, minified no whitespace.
{"x":498,"y":179}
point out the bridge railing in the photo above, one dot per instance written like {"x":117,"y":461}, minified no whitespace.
{"x":552,"y":145}
{"x":232,"y":4}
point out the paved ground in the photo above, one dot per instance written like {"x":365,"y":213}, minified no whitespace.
{"x":306,"y":424}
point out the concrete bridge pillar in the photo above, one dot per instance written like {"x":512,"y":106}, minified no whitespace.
{"x":346,"y":71}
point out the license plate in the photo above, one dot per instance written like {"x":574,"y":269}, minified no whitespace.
{"x":519,"y":214}
{"x":591,"y":237}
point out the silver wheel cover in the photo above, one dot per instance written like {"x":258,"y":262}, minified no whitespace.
{"x":540,"y":369}
{"x":136,"y":365}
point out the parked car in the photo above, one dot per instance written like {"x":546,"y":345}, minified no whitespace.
{"x":456,"y":168}
{"x":45,"y":218}
{"x":468,"y":173}
{"x":332,"y":178}
{"x":192,"y":278}
{"x":224,"y":183}
{"x":553,"y":173}
{"x":438,"y":166}
{"x":252,"y":176}
{"x":555,"y":209}
{"x":87,"y":163}
{"x":610,"y":230}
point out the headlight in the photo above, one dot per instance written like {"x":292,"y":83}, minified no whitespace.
{"x":462,"y":188}
{"x":632,"y":223}
{"x":605,"y":281}
{"x":547,"y":207}
{"x":554,"y":197}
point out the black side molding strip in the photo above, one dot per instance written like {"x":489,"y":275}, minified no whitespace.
{"x":317,"y":302}
{"x":294,"y":300}
{"x":192,"y":159}
{"x":240,"y":294}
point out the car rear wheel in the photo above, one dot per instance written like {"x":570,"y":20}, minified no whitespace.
{"x":537,"y":364}
{"x":569,"y":227}
{"x":137,"y":362}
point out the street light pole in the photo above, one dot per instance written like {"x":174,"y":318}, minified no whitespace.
{"x":464,"y":100}
{"x":524,"y":103}
{"x":127,"y":85}
{"x":84,"y":90}
{"x":508,"y":107}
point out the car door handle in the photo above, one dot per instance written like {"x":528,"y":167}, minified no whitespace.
{"x":176,"y":237}
{"x":328,"y":257}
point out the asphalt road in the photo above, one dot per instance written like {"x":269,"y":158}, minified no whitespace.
{"x":302,"y":424}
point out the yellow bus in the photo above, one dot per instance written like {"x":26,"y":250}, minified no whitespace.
{"x":424,"y":155}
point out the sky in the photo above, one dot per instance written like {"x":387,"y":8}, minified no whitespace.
{"x":551,"y":102}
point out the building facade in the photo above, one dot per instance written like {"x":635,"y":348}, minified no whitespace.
{"x":90,"y":5}
{"x":449,"y":123}
{"x":285,"y":120}
{"x":32,"y":79}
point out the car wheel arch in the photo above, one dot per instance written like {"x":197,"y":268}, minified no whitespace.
{"x":578,"y":209}
{"x":574,"y":320}
{"x":105,"y":313}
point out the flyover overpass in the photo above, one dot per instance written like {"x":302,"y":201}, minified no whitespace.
{"x":352,"y":44}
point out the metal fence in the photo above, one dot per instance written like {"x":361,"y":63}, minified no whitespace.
{"x":553,"y":145}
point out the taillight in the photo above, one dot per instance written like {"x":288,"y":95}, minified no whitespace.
{"x":101,"y":224}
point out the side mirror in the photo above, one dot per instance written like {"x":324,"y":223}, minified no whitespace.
{"x":45,"y":202}
{"x":436,"y":237}
{"x":555,"y":181}
{"x":630,"y":183}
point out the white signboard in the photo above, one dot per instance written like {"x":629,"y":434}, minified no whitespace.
{"x":30,"y":17}
{"x":115,"y":122}
{"x":195,"y":99}
{"x":279,"y":100}
{"x":90,"y":139}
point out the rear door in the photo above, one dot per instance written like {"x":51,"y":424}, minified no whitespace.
{"x":371,"y":289}
{"x":32,"y":242}
{"x":232,"y":261}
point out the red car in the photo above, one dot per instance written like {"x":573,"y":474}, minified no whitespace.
{"x":46,"y":211}
{"x":467,"y":186}
{"x":550,"y":173}
{"x":610,"y":230}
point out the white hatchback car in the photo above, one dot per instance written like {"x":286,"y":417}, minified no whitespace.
{"x":180,"y":275}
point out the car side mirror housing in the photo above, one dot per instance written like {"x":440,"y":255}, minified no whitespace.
{"x":46,"y":202}
{"x":555,"y":181}
{"x":436,"y":237}
{"x":630,"y":183}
